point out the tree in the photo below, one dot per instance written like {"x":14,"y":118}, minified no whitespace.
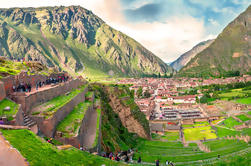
{"x":159,"y":75}
{"x":147,"y":94}
{"x":139,"y":92}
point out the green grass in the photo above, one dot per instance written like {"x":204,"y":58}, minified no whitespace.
{"x":246,"y":100}
{"x":89,"y":94}
{"x":223,"y":132}
{"x":226,"y":146}
{"x":38,"y":152}
{"x":171,"y":136}
{"x":97,"y":130}
{"x":13,"y":108}
{"x":199,"y":133}
{"x":150,"y":151}
{"x":243,"y":117}
{"x":50,"y":107}
{"x":249,"y":112}
{"x":196,"y":124}
{"x":71,"y":123}
{"x":230,"y":122}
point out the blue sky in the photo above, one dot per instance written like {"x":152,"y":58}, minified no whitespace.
{"x":168,"y":28}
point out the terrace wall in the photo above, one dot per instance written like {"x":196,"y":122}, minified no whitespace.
{"x":19,"y":117}
{"x":39,"y":97}
{"x":79,"y":139}
{"x":2,"y":91}
{"x":48,"y":126}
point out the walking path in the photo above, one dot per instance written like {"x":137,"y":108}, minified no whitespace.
{"x":10,"y":156}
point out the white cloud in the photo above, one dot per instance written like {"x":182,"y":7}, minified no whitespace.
{"x":167,"y":39}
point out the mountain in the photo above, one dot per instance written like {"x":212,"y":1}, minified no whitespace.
{"x":186,"y":57}
{"x":73,"y":39}
{"x":230,"y":52}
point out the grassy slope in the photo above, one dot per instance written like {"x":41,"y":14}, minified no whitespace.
{"x":217,"y":58}
{"x":38,"y":152}
{"x":53,"y":105}
{"x":13,"y":108}
{"x":71,"y":123}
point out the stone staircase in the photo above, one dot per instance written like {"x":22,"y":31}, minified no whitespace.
{"x":28,"y":121}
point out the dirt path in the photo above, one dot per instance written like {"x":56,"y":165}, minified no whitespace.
{"x":10,"y":156}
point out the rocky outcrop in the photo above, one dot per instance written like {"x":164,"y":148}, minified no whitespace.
{"x":186,"y":57}
{"x":73,"y":39}
{"x":127,"y":118}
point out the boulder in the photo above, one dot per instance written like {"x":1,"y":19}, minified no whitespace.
{"x":7,"y":108}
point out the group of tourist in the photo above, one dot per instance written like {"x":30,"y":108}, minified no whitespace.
{"x":22,"y":87}
{"x":26,"y":87}
{"x":125,"y":156}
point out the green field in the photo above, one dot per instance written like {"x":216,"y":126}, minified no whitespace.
{"x":230,"y":123}
{"x":246,"y":100}
{"x":243,"y":117}
{"x":223,"y":132}
{"x":71,"y":123}
{"x":49,"y":108}
{"x":199,"y":133}
{"x":38,"y":152}
{"x":168,"y":136}
{"x":150,"y":151}
{"x":13,"y":108}
{"x":237,"y":95}
{"x":196,"y":124}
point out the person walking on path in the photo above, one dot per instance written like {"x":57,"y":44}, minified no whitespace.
{"x":157,"y":162}
{"x":139,"y":160}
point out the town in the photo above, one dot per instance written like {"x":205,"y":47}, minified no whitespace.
{"x":176,"y":101}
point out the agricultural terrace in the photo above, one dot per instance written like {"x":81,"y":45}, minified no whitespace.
{"x":39,"y":152}
{"x":243,"y":117}
{"x":71,"y":123}
{"x":49,"y":108}
{"x":8,"y":113}
{"x":149,"y":151}
{"x":199,"y":133}
{"x":230,"y":123}
{"x":168,"y":136}
{"x":197,"y":124}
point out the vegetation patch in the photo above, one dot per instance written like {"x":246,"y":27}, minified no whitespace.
{"x":71,"y":123}
{"x":49,"y":108}
{"x":38,"y":152}
{"x":246,"y":100}
{"x":13,"y":108}
{"x":230,"y":122}
{"x":200,"y":133}
{"x":243,"y":117}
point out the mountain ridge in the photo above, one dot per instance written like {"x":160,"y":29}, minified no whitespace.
{"x":183,"y":59}
{"x":230,"y":52}
{"x":76,"y":40}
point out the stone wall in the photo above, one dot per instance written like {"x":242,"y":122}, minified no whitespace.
{"x":2,"y":91}
{"x":39,"y":97}
{"x":48,"y":126}
{"x":85,"y":126}
{"x":21,"y":78}
{"x":19,"y":119}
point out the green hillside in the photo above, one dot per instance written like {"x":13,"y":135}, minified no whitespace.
{"x":229,"y":52}
{"x":73,"y":39}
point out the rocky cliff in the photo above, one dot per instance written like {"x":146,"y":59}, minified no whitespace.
{"x":73,"y":39}
{"x":229,"y":52}
{"x":186,"y":57}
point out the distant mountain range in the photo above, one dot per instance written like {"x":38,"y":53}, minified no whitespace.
{"x":186,"y":57}
{"x":75,"y":40}
{"x":230,"y":51}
